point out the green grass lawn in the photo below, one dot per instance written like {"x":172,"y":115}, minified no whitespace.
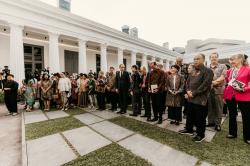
{"x":40,"y":129}
{"x":221,"y":151}
{"x":111,"y":155}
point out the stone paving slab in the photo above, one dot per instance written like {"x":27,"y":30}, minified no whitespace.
{"x":138,"y":118}
{"x":209,"y":135}
{"x":10,"y":140}
{"x":111,"y":130}
{"x":35,"y":116}
{"x":157,"y":153}
{"x":210,"y":132}
{"x":206,"y":164}
{"x":88,"y":118}
{"x":85,"y":140}
{"x":105,"y":114}
{"x":56,"y":114}
{"x":172,"y":127}
{"x":50,"y":151}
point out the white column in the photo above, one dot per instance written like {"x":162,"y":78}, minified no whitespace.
{"x":161,"y":61}
{"x":104,"y":64}
{"x":16,"y":52}
{"x":207,"y":60}
{"x":120,"y":57}
{"x":133,"y":58}
{"x":54,"y":59}
{"x":145,"y":61}
{"x":167,"y":65}
{"x":82,"y":62}
{"x":153,"y":59}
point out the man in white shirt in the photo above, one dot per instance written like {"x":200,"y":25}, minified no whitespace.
{"x":64,"y":87}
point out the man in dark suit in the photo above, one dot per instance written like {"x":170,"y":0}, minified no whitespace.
{"x":135,"y":90}
{"x":122,"y":85}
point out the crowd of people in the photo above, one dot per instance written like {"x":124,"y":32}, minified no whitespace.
{"x":198,"y":92}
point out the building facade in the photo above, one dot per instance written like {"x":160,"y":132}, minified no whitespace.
{"x":224,"y":47}
{"x":34,"y":35}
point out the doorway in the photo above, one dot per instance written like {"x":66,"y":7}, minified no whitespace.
{"x":33,"y":58}
{"x":71,"y":61}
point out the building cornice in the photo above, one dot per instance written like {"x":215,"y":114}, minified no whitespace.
{"x":51,"y":12}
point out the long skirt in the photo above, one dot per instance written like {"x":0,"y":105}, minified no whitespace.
{"x":175,"y":113}
{"x":83,"y":99}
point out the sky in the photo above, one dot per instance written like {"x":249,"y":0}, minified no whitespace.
{"x":173,"y":21}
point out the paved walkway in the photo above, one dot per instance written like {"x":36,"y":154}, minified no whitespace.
{"x":98,"y":133}
{"x":10,"y":139}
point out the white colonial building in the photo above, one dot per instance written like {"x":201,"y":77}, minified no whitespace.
{"x":224,"y":47}
{"x":34,"y":35}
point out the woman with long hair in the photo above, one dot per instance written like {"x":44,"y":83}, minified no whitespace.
{"x":238,"y":93}
{"x":82,"y":84}
{"x":46,"y":92}
{"x":100,"y":91}
{"x":28,"y":91}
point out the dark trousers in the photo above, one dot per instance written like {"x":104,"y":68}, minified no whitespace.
{"x":225,"y":109}
{"x":123,"y":98}
{"x":244,"y":108}
{"x":185,"y":107}
{"x":101,"y":100}
{"x":157,"y":105}
{"x":113,"y":96}
{"x":146,"y":103}
{"x":196,"y":115}
{"x":164,"y":96}
{"x":233,"y":112}
{"x":245,"y":112}
{"x":136,"y":100}
{"x":11,"y":103}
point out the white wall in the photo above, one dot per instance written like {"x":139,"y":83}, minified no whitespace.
{"x":91,"y":60}
{"x":61,"y":55}
{"x":112,"y":60}
{"x":4,"y":50}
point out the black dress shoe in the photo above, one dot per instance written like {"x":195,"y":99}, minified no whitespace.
{"x":231,"y":136}
{"x":210,"y":125}
{"x":159,"y":121}
{"x":149,"y":119}
{"x":172,"y":122}
{"x":132,"y":114}
{"x":119,"y":112}
{"x":154,"y":119}
{"x":144,"y":116}
{"x":177,"y":123}
{"x":217,"y":127}
{"x":123,"y":112}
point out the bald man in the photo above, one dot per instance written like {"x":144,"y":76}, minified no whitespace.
{"x":198,"y":88}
